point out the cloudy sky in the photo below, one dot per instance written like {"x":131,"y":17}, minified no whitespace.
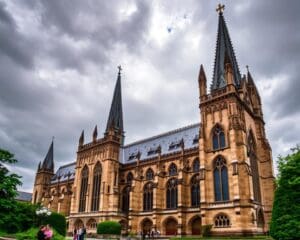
{"x":58,"y":65}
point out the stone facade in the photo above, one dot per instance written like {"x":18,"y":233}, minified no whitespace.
{"x":234,"y":176}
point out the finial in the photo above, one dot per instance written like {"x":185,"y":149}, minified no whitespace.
{"x":53,"y":138}
{"x":247,"y":68}
{"x":120,"y":69}
{"x":220,"y":8}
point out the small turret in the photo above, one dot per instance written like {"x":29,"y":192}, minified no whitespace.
{"x":95,"y":134}
{"x":202,"y":82}
{"x":81,"y":139}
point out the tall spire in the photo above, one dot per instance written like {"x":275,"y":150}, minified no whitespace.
{"x":224,"y":55}
{"x":48,"y":163}
{"x":115,"y":119}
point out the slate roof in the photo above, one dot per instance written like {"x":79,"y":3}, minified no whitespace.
{"x":24,"y":196}
{"x":63,"y":172}
{"x":115,"y":118}
{"x":169,"y":143}
{"x":224,"y":54}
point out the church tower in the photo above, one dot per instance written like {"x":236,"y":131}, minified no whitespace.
{"x":95,"y":189}
{"x":43,"y":176}
{"x":234,"y":152}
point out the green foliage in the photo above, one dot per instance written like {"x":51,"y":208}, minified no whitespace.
{"x":32,"y":234}
{"x":8,"y":191}
{"x":109,"y":227}
{"x":20,"y":218}
{"x":285,"y":223}
{"x":58,"y":222}
{"x":206,"y":230}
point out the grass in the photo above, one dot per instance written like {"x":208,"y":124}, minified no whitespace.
{"x":221,"y":238}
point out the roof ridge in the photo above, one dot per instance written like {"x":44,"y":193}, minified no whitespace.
{"x":162,"y":134}
{"x":66,"y":165}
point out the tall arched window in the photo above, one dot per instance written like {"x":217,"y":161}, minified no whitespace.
{"x":129,"y":178}
{"x":96,"y":187}
{"x":149,"y":174}
{"x":218,"y":138}
{"x":172,"y":193}
{"x":148,"y":197}
{"x":172,"y":169}
{"x":196,"y":165}
{"x":126,"y":199}
{"x":254,"y":167}
{"x":220,"y":179}
{"x":83,"y":188}
{"x":195,"y":191}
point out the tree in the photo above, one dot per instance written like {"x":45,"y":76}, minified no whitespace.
{"x":285,"y":223}
{"x":8,"y":188}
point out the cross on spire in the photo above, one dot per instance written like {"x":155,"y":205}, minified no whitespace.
{"x":220,"y":8}
{"x":120,"y":69}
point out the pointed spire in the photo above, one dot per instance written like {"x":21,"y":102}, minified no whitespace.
{"x":115,"y":119}
{"x":48,"y":163}
{"x":224,"y":55}
{"x":81,"y":138}
{"x":202,"y":82}
{"x":95,"y":134}
{"x":39,"y":166}
{"x":249,"y":77}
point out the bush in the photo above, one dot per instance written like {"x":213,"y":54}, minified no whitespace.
{"x":109,"y":227}
{"x":58,"y":222}
{"x":206,"y":230}
{"x":32,"y":234}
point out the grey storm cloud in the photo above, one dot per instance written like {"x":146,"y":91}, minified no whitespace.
{"x":58,"y":69}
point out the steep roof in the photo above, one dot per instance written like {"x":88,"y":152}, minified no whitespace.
{"x":224,"y":54}
{"x":169,"y":142}
{"x":64,"y":173}
{"x":115,"y":118}
{"x":24,"y":196}
{"x":48,"y":162}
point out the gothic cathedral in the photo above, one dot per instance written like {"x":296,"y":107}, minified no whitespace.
{"x":216,"y":172}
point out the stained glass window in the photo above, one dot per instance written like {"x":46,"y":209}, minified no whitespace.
{"x":172,"y":193}
{"x":220,"y":180}
{"x":218,"y":138}
{"x":195,"y":191}
{"x":172,"y":169}
{"x":148,"y":197}
{"x":83,"y":188}
{"x":96,"y":188}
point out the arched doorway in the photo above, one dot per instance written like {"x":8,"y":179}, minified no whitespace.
{"x":78,"y":223}
{"x":147,"y":226}
{"x":171,"y":227}
{"x":196,"y":226}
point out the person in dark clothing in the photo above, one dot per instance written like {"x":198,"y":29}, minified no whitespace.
{"x":41,"y":234}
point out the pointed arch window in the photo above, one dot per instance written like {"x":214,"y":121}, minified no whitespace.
{"x":148,"y":197}
{"x":129,"y":178}
{"x":126,"y":199}
{"x":172,"y":193}
{"x":196,"y":165}
{"x":96,"y":187}
{"x":195,"y":191}
{"x":83,"y":188}
{"x":172,"y":169}
{"x":218,"y":138}
{"x":149,"y":174}
{"x":220,"y":179}
{"x":254,"y":167}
